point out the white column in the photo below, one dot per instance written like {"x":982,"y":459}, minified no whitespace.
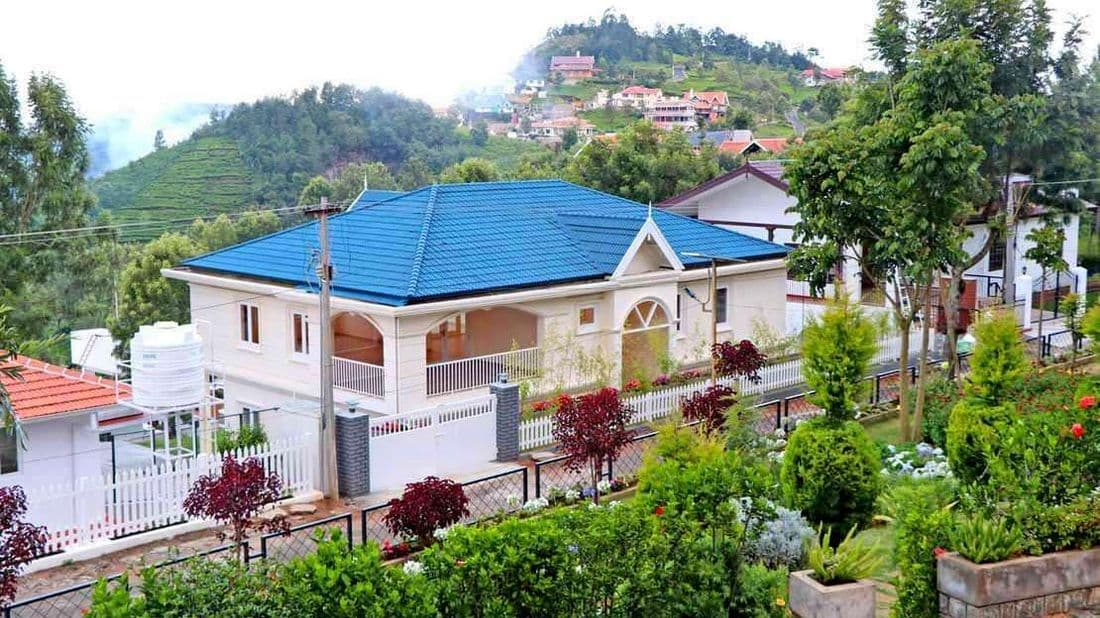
{"x":1023,"y":293}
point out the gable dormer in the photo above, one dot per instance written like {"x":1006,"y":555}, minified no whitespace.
{"x":649,"y":251}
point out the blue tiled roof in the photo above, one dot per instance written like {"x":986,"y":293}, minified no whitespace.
{"x":370,"y":197}
{"x":460,"y":239}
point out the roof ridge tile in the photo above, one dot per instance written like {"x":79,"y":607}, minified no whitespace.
{"x":422,"y":242}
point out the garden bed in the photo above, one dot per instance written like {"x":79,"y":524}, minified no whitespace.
{"x":1030,"y":586}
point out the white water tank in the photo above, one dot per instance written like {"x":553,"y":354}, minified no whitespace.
{"x":166,"y":366}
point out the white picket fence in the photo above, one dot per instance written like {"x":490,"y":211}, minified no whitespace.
{"x":99,"y":508}
{"x":658,"y":404}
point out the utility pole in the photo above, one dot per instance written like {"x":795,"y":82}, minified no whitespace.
{"x":711,"y":303}
{"x":1010,"y":245}
{"x":329,"y":480}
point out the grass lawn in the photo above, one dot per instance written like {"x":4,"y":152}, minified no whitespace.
{"x":609,"y":120}
{"x":886,"y":431}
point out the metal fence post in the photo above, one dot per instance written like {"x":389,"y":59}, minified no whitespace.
{"x":538,"y":480}
{"x":351,"y":543}
{"x":524,"y":484}
{"x":610,"y":471}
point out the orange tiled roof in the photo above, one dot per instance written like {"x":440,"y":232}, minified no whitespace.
{"x":44,"y":390}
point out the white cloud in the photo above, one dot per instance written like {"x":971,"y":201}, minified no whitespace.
{"x":146,"y":57}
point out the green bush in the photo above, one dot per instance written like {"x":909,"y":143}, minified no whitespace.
{"x":922,"y":522}
{"x":226,"y":440}
{"x":972,"y":437}
{"x":983,"y":539}
{"x":348,"y":584}
{"x":1060,"y":527}
{"x":831,"y":473}
{"x":999,"y":360}
{"x":837,"y":349}
{"x":758,"y":592}
{"x":940,"y":396}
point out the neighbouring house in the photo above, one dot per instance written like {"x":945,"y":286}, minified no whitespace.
{"x":754,"y":145}
{"x":573,"y":68}
{"x":93,"y":349}
{"x":636,"y":97}
{"x":555,"y":129}
{"x":753,"y":200}
{"x":440,"y":290}
{"x":679,"y":72}
{"x":534,"y":87}
{"x":819,"y":77}
{"x":601,"y":100}
{"x":717,"y":138}
{"x":673,"y":114}
{"x":710,"y":106}
{"x":488,"y":105}
{"x":62,"y":413}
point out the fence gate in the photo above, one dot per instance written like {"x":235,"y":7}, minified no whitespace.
{"x":447,"y":441}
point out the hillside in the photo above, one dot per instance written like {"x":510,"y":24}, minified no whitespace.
{"x":265,"y":152}
{"x":199,"y":175}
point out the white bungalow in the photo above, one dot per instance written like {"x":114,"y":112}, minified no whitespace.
{"x":439,"y":290}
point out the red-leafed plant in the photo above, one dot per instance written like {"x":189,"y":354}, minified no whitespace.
{"x":592,"y":429}
{"x":709,"y":407}
{"x":427,"y":506}
{"x":235,"y":497}
{"x":20,"y":541}
{"x":739,"y":359}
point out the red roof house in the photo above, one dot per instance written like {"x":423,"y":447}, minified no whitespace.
{"x":572,"y":68}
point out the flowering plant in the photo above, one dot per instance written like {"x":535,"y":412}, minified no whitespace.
{"x":662,"y":380}
{"x":632,"y":386}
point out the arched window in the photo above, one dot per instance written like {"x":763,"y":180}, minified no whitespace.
{"x":646,"y":314}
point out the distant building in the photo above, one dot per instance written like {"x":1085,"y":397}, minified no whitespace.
{"x":544,"y":130}
{"x":710,"y":106}
{"x":672,"y":114}
{"x":679,"y":72}
{"x":819,"y":77}
{"x":636,"y":97}
{"x":573,"y":68}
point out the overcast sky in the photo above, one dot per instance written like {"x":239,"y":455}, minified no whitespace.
{"x":141,"y":58}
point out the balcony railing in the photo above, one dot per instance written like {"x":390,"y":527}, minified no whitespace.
{"x":467,"y":373}
{"x":359,"y":377}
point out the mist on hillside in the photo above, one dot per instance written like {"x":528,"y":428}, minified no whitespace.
{"x":120,"y":139}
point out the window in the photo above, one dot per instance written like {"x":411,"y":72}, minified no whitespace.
{"x":997,"y":253}
{"x":721,"y":305}
{"x":250,"y":324}
{"x":250,"y":416}
{"x":586,"y":319}
{"x":9,"y":452}
{"x":299,"y":333}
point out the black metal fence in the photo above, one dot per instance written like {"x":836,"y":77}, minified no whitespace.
{"x":489,"y":496}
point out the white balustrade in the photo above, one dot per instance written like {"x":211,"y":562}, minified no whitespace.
{"x":467,"y":373}
{"x":359,"y":377}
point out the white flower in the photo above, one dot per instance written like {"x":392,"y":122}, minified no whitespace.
{"x":514,"y":500}
{"x":440,"y":534}
{"x":413,"y":567}
{"x":603,"y":486}
{"x":593,"y":505}
{"x":536,"y":505}
{"x":572,"y":495}
{"x":613,"y":504}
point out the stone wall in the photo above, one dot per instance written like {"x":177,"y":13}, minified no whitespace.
{"x":1020,"y":588}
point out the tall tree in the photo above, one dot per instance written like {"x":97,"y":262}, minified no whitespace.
{"x":42,"y":168}
{"x":1046,"y":251}
{"x":471,"y":170}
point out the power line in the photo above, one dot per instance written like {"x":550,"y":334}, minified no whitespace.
{"x":96,"y":230}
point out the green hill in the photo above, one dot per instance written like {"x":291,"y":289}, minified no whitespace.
{"x":200,"y":175}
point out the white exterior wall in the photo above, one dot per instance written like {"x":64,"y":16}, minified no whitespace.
{"x":979,"y":234}
{"x":59,"y":451}
{"x":269,"y":375}
{"x":749,"y":199}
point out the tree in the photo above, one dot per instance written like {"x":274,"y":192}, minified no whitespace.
{"x":471,"y":170}
{"x":709,"y":407}
{"x":1047,"y":253}
{"x":158,"y":140}
{"x":999,"y":360}
{"x":479,"y":133}
{"x":146,"y":296}
{"x":234,"y":497}
{"x":214,"y":234}
{"x":317,"y":188}
{"x":20,"y":542}
{"x":414,"y":174}
{"x":738,"y":359}
{"x":592,"y":429}
{"x":836,"y":354}
{"x":830,"y":98}
{"x":42,"y":168}
{"x":645,"y":164}
{"x":426,"y":506}
{"x":1074,"y":321}
{"x":354,"y":177}
{"x":569,"y":139}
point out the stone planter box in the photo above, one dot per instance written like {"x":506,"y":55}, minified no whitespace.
{"x":808,"y":598}
{"x":1021,"y":587}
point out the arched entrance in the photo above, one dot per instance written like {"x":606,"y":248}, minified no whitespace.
{"x":358,"y":355}
{"x":645,"y":341}
{"x":470,"y":349}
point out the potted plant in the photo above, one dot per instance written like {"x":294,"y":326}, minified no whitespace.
{"x":836,"y":583}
